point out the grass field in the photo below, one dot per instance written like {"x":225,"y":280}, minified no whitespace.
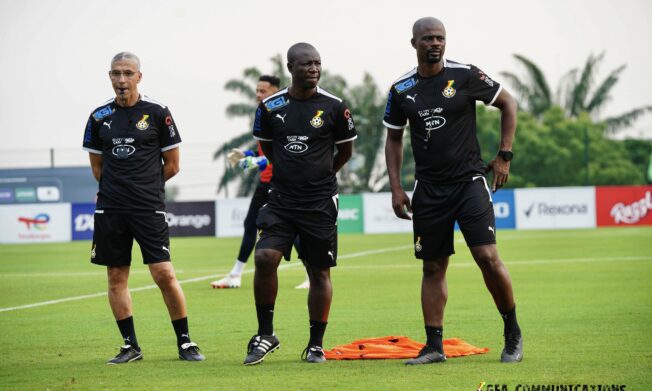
{"x":584,"y":303}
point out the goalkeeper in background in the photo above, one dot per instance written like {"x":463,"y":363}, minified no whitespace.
{"x":253,"y":160}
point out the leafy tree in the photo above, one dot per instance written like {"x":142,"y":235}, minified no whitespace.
{"x":366,"y":170}
{"x":578,"y":92}
{"x":552,"y":151}
{"x":247,"y":88}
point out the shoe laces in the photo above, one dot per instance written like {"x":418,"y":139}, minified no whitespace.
{"x":511,"y":342}
{"x":312,"y":350}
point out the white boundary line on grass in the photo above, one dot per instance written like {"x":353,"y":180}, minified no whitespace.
{"x":346,"y":256}
{"x":196,"y":279}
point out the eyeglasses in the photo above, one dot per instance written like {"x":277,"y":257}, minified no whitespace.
{"x":126,"y":74}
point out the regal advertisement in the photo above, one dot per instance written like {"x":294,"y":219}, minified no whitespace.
{"x":624,"y":205}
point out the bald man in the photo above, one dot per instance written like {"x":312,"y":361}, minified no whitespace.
{"x":298,"y":128}
{"x":438,"y":99}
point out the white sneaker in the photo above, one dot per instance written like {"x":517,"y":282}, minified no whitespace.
{"x":303,"y":285}
{"x":230,"y":281}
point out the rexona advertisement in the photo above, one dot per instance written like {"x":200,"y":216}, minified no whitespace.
{"x":350,"y":214}
{"x":624,"y":205}
{"x":191,"y":218}
{"x":34,"y":223}
{"x":555,"y":207}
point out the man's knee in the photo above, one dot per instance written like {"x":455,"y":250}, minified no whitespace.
{"x":486,"y":257}
{"x":163,"y":275}
{"x":319,"y":277}
{"x":435,"y":268}
{"x":267,"y":260}
{"x":118,"y":277}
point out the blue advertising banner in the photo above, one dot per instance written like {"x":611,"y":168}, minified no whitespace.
{"x":504,"y":209}
{"x":82,"y":221}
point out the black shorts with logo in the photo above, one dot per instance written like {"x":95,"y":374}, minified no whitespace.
{"x":437,"y":207}
{"x":114,"y":236}
{"x":280,"y":221}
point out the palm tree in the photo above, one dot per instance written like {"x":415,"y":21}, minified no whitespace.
{"x":365,"y":172}
{"x":577,"y":92}
{"x":247,"y":88}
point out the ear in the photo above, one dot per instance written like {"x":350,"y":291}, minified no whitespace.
{"x":289,"y":66}
{"x":413,"y":42}
{"x":140,"y":77}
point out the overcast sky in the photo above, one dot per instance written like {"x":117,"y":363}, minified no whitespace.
{"x":56,"y":54}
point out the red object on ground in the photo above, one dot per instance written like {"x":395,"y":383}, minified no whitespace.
{"x":396,"y":347}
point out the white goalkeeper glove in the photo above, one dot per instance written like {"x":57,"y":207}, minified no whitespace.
{"x":251,"y":163}
{"x":236,"y":154}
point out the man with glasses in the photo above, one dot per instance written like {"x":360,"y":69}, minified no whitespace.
{"x":133,"y":143}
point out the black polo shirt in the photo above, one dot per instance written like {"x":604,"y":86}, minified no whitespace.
{"x":441,"y":113}
{"x":303,"y":134}
{"x":131,"y":140}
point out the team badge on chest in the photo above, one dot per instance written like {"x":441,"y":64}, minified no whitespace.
{"x":449,"y":91}
{"x":143,"y":124}
{"x":317,"y":121}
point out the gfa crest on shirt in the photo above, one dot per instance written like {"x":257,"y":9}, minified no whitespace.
{"x":143,"y":124}
{"x":449,"y":91}
{"x":317,"y":121}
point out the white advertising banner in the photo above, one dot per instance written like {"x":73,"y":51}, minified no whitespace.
{"x":379,"y":216}
{"x":35,"y":223}
{"x":230,"y":215}
{"x":555,"y":207}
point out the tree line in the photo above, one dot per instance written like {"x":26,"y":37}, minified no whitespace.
{"x":561,"y":139}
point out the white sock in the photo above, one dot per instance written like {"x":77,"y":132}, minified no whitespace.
{"x":238,"y":268}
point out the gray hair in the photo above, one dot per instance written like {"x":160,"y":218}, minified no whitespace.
{"x":126,"y":56}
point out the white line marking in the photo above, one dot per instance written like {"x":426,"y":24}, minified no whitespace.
{"x":411,"y":264}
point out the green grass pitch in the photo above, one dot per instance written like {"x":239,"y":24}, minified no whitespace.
{"x":584,"y":300}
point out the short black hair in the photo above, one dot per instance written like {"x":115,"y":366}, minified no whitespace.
{"x":271,"y":79}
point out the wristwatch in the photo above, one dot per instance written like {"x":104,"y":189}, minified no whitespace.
{"x":506,"y":155}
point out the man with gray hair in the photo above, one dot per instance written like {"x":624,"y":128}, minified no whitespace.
{"x":133,"y":145}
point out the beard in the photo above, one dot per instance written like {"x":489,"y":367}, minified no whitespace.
{"x":433,"y":58}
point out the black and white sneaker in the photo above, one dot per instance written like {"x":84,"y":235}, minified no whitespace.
{"x":513,"y":351}
{"x":127,"y":354}
{"x":259,"y":346}
{"x":427,"y":355}
{"x":313,"y":354}
{"x":190,"y":352}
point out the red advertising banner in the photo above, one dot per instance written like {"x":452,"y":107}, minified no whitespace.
{"x":623,"y":205}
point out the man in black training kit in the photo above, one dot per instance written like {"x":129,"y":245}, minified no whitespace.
{"x":253,"y":160}
{"x":298,"y":128}
{"x":438,"y":98}
{"x":133,"y":144}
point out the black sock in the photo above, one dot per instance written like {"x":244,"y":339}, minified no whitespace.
{"x":128,"y":332}
{"x":434,"y":336}
{"x":511,"y":324}
{"x":181,"y":330}
{"x":317,"y":330}
{"x":265,"y":313}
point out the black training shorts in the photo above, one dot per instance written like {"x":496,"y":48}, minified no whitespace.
{"x":114,"y":236}
{"x":280,"y":221}
{"x":437,"y":207}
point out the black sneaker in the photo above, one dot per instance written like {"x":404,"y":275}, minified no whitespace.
{"x":190,"y":352}
{"x":127,"y":354}
{"x":259,"y":346}
{"x":513,"y":351}
{"x":313,"y":354}
{"x":427,"y":355}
